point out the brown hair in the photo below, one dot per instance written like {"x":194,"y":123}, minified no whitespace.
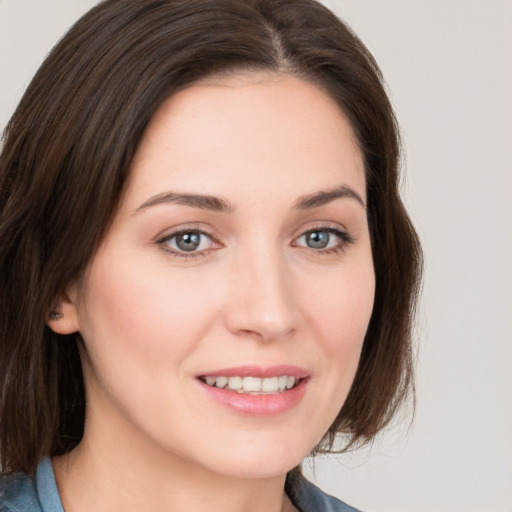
{"x":65,"y":161}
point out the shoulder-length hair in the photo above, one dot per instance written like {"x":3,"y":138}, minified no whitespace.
{"x":66,"y":156}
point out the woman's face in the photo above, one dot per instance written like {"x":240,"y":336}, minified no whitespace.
{"x":240,"y":256}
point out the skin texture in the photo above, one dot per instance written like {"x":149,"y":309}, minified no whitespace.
{"x":253,"y":293}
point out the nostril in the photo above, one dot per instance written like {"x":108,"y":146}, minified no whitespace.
{"x":267,"y":333}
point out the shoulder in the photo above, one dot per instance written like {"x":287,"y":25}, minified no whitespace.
{"x":309,"y":498}
{"x":17,"y":494}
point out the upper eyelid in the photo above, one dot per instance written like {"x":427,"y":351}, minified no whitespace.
{"x":170,"y":232}
{"x":332,"y":227}
{"x":187,"y":230}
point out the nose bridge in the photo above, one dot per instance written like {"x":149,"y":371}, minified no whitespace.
{"x":262,"y":299}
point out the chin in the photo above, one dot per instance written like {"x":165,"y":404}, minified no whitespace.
{"x":258,"y":460}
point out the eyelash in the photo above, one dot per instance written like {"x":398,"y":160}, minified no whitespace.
{"x":345,"y":239}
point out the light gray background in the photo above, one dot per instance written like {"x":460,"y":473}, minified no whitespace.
{"x":448,"y":64}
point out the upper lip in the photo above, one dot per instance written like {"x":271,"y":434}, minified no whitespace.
{"x":258,"y":371}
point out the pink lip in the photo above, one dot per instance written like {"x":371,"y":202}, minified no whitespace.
{"x":258,"y":405}
{"x":259,"y":371}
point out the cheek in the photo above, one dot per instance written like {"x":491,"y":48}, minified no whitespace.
{"x":339,"y":316}
{"x":341,"y":308}
{"x":137,"y":298}
{"x":144,"y":313}
{"x":139,"y":328}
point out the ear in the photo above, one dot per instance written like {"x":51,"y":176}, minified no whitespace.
{"x":64,"y":319}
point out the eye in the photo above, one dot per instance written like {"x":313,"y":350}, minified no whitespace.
{"x":327,"y":239}
{"x":318,"y":239}
{"x":189,"y":242}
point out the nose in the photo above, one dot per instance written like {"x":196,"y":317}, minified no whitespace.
{"x":262,"y":303}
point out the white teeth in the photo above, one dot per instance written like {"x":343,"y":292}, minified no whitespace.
{"x":270,"y":385}
{"x":221,"y":382}
{"x":253,"y":385}
{"x":235,"y":383}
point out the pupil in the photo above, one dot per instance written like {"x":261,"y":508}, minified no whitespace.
{"x":317,"y":239}
{"x":188,"y":241}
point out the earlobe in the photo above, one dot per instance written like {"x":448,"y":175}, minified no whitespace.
{"x":63,"y":319}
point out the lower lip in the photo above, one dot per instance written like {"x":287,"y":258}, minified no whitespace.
{"x":258,"y":405}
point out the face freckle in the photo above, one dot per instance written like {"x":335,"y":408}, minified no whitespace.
{"x":216,"y":262}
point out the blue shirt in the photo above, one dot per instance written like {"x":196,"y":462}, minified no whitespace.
{"x":21,"y":493}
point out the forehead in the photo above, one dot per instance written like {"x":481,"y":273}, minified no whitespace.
{"x":248,"y":133}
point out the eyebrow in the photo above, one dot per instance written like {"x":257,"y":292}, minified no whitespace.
{"x":218,"y":204}
{"x":324,"y":197}
{"x":204,"y":202}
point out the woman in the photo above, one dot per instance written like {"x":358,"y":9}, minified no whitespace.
{"x":207,"y":272}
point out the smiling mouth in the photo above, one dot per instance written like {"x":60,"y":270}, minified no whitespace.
{"x":253,"y":385}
